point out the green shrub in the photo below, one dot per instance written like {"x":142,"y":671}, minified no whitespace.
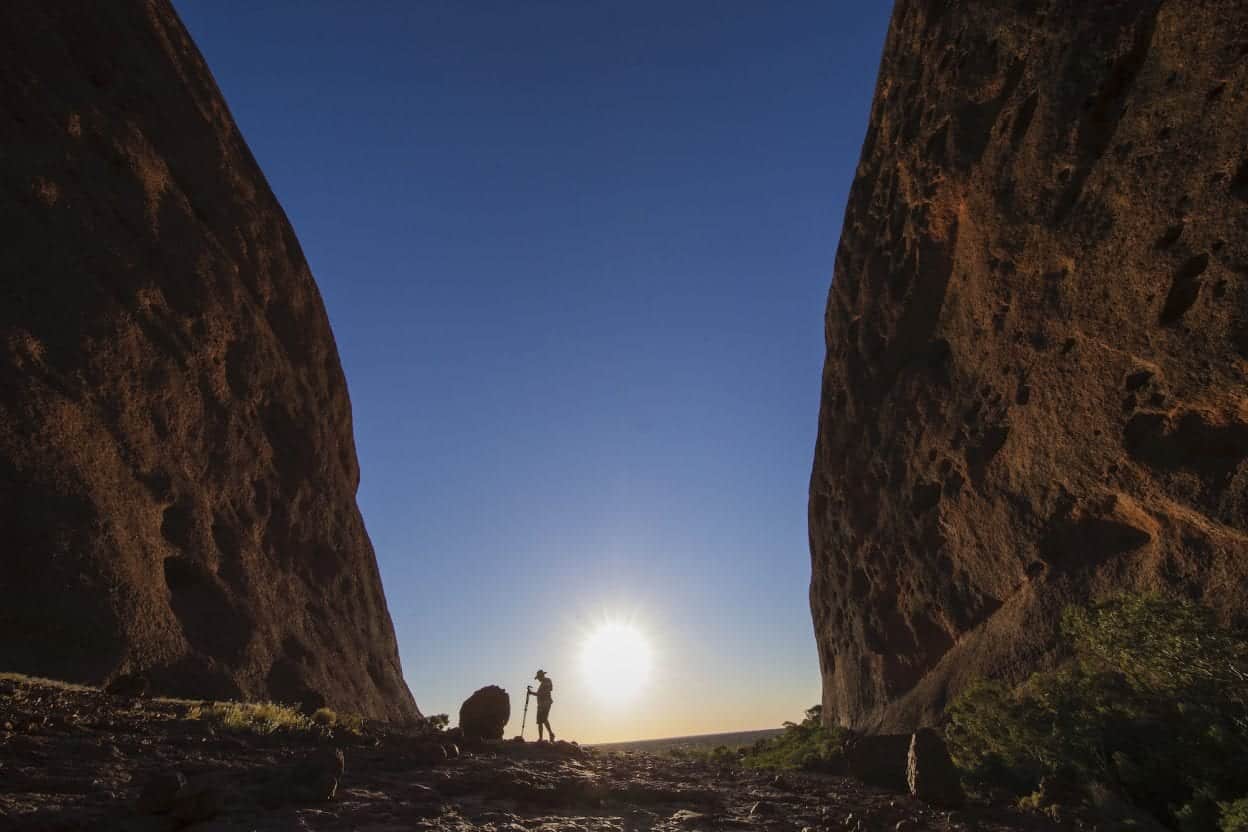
{"x":1154,"y":705}
{"x":720,"y":755}
{"x":1041,"y":803}
{"x":801,"y":745}
{"x":329,"y":718}
{"x":1234,"y":816}
{"x":805,"y":745}
{"x":354,"y":723}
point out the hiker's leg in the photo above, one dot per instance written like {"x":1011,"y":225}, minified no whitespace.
{"x":550,"y":731}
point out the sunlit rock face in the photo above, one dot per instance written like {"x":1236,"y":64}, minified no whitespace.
{"x":1037,"y":334}
{"x":177,"y":467}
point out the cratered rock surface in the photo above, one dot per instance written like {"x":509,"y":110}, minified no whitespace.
{"x":1035,"y":390}
{"x":177,"y":464}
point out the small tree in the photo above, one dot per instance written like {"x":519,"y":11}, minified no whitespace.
{"x":1154,"y":705}
{"x":808,"y":744}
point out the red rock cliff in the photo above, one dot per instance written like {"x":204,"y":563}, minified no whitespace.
{"x":1037,"y":333}
{"x":177,"y":467}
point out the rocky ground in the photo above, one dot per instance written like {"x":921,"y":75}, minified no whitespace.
{"x":78,"y":758}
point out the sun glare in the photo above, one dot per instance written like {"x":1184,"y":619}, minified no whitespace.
{"x":615,"y":660}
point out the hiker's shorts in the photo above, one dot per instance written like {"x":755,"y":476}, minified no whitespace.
{"x":543,"y":711}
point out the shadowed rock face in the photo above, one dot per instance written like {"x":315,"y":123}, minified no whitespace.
{"x":1037,"y":339}
{"x":177,"y":468}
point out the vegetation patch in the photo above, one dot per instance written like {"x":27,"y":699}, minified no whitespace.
{"x":1153,"y":708}
{"x":254,"y":717}
{"x":808,"y":744}
{"x":329,"y":718}
{"x":436,"y":722}
{"x":1234,"y":815}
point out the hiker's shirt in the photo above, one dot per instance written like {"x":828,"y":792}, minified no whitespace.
{"x":543,"y":691}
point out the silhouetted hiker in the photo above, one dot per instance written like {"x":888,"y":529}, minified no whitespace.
{"x":544,"y":687}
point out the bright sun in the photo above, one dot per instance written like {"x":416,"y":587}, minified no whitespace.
{"x":615,"y":660}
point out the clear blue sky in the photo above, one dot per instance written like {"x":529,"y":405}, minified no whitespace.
{"x":575,"y":255}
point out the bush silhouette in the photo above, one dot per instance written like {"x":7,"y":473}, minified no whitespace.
{"x":804,"y":745}
{"x":1235,"y":815}
{"x":1153,"y":706}
{"x":808,"y":744}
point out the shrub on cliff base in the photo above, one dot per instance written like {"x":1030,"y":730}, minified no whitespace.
{"x":253,"y":717}
{"x":271,"y":717}
{"x":808,"y":744}
{"x":329,"y":718}
{"x":1154,"y":705}
{"x":720,"y":755}
{"x":1234,"y":815}
{"x":804,"y":745}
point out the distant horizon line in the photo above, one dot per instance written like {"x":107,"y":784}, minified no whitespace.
{"x":687,"y":736}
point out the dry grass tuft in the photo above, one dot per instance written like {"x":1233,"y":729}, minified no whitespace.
{"x":255,"y":717}
{"x":40,"y":682}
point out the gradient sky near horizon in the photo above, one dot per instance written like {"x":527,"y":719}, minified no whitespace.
{"x":575,"y":255}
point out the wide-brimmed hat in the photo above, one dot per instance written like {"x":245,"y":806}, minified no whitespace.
{"x":539,"y":674}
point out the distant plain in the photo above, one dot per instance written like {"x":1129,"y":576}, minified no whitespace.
{"x":698,"y":742}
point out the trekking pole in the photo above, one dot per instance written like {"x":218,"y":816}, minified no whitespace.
{"x":527,"y":690}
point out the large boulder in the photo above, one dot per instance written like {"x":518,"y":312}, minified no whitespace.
{"x":484,"y":714}
{"x":930,"y":772}
{"x":177,"y":467}
{"x":1036,"y":385}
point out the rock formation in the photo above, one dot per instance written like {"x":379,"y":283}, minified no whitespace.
{"x":177,"y":467}
{"x":484,"y":715}
{"x":930,"y":773}
{"x":1037,"y":341}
